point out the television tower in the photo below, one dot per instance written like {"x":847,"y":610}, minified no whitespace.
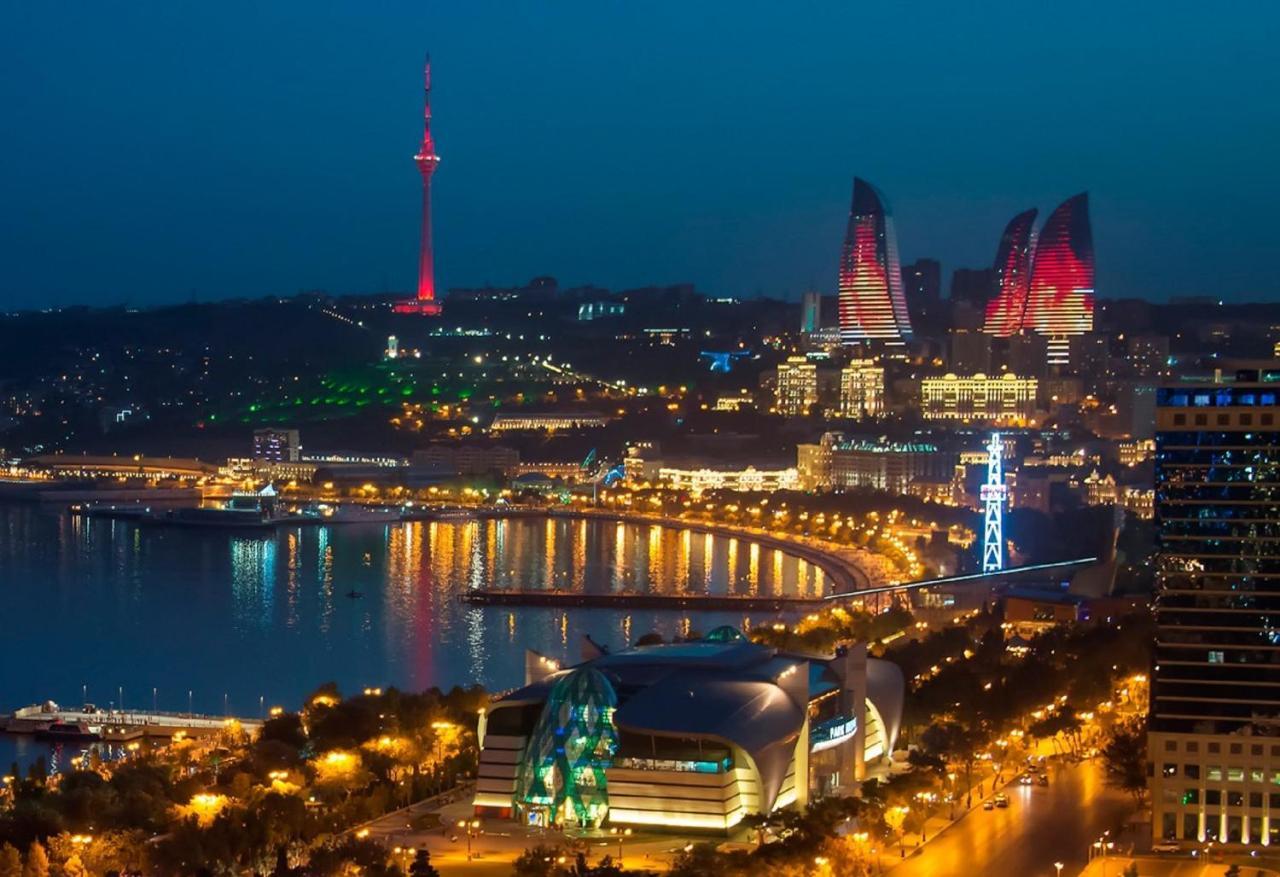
{"x":992,"y":496}
{"x":426,"y":160}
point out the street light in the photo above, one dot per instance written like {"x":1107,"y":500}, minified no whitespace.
{"x":1057,"y":866}
{"x":470,"y":827}
{"x":620,"y":833}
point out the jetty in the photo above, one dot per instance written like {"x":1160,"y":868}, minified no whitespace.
{"x":118,"y":726}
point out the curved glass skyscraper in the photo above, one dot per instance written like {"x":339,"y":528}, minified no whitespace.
{"x":1006,"y":311}
{"x":1060,"y":301}
{"x":873,"y":306}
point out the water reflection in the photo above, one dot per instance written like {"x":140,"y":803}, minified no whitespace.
{"x":100,"y":604}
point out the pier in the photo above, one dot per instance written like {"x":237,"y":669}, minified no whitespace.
{"x":119,"y":726}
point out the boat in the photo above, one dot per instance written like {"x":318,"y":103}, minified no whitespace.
{"x":342,"y":513}
{"x":70,"y":731}
{"x":241,"y":511}
{"x":354,"y":595}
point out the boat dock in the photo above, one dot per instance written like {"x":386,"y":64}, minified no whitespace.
{"x":118,"y":726}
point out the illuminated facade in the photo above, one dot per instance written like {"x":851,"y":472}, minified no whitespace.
{"x":546,"y":422}
{"x":838,"y":463}
{"x":692,"y":735}
{"x":747,"y":478}
{"x":1003,"y":398}
{"x":873,"y":306}
{"x":1060,"y":300}
{"x":797,"y":388}
{"x":992,"y":496}
{"x":862,"y":389}
{"x":426,"y":159}
{"x":1215,"y":692}
{"x":1005,"y":312}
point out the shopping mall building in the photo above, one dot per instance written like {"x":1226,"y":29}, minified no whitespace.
{"x":692,"y":735}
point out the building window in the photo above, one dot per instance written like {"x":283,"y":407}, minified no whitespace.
{"x":1255,"y":829}
{"x":1193,"y":746}
{"x":1255,"y":799}
{"x":1235,"y":799}
{"x":1267,"y":419}
{"x":1237,"y":748}
{"x":1215,"y":748}
{"x":1257,"y":776}
{"x":1246,"y":420}
{"x":1215,"y":657}
{"x":1255,"y":749}
{"x":1191,"y":771}
{"x":1213,"y":797}
{"x":1172,"y":746}
{"x":1274,"y":800}
{"x":1235,"y":774}
{"x":1191,"y":796}
{"x":1190,"y":826}
{"x":1179,"y":420}
{"x":1224,"y":419}
{"x":1168,"y":825}
{"x":1215,"y":774}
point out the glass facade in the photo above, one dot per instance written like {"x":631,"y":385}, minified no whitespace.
{"x":1006,"y":311}
{"x":873,"y":306}
{"x":562,"y":776}
{"x":1218,"y":567}
{"x":1060,"y":298}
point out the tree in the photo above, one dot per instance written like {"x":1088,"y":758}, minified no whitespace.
{"x":1125,"y":759}
{"x":73,"y":867}
{"x":37,"y":864}
{"x":10,"y":861}
{"x":536,"y":861}
{"x":421,"y":866}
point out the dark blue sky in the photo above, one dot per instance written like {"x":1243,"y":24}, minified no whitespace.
{"x":153,"y":149}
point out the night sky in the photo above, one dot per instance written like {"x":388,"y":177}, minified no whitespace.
{"x":152,"y":152}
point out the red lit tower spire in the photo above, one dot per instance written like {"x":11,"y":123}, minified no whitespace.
{"x":426,"y":160}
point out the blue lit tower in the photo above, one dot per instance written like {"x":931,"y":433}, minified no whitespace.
{"x":993,"y":507}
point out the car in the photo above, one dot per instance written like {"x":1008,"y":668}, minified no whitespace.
{"x":1043,"y":780}
{"x":1165,"y":846}
{"x":988,"y":804}
{"x":1025,"y":780}
{"x":1002,"y":801}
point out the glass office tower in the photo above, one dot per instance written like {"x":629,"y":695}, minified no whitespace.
{"x":1215,"y":693}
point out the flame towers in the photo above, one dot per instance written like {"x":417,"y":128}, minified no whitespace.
{"x":1005,"y":312}
{"x":1060,"y":302}
{"x":1046,"y":283}
{"x":873,"y":307}
{"x":426,"y":159}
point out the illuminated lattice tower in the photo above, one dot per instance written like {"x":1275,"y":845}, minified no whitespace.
{"x":562,"y":775}
{"x":992,"y":495}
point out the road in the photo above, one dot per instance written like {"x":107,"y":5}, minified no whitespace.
{"x":1041,"y":826}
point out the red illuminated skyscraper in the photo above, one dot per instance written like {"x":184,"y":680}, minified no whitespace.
{"x":426,"y":159}
{"x":872,"y":304}
{"x":1006,"y":311}
{"x":1060,"y":300}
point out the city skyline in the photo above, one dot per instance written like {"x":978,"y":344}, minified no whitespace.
{"x":275,"y":209}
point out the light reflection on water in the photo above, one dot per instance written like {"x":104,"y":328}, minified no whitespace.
{"x":106,"y":604}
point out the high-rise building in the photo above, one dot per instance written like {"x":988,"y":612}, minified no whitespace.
{"x":1147,"y":355}
{"x":873,"y":307}
{"x":1028,"y":355}
{"x":1006,"y":310}
{"x":811,"y":312}
{"x":276,"y":445}
{"x":862,"y":389}
{"x":974,"y":286}
{"x":1060,"y":300}
{"x":426,"y":159}
{"x":797,"y":387}
{"x":969,"y":351}
{"x":1215,"y":689}
{"x":922,"y":285}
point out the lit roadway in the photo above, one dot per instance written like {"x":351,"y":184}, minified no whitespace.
{"x":1041,"y":826}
